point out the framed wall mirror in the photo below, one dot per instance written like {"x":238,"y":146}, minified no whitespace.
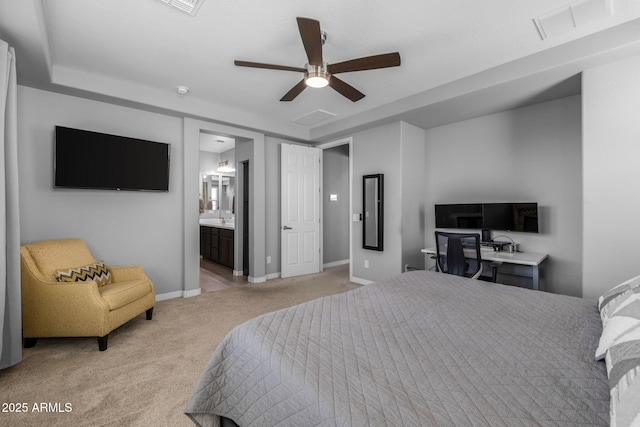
{"x":373,"y":203}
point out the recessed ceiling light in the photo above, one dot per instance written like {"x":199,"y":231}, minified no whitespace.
{"x":182,"y":90}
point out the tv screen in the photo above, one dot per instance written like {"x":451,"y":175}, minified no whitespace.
{"x":511,"y":216}
{"x":489,"y":216}
{"x":93,"y":160}
{"x":459,"y":216}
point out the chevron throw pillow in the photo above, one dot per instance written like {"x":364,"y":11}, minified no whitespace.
{"x":97,"y":272}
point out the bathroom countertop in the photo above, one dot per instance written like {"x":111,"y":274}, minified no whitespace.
{"x":216,"y":222}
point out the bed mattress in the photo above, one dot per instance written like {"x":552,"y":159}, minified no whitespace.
{"x":419,"y":349}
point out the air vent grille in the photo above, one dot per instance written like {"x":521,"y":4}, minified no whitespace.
{"x":314,"y":117}
{"x":188,"y":6}
{"x":567,"y":18}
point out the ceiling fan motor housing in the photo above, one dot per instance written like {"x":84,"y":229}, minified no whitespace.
{"x":317,"y":76}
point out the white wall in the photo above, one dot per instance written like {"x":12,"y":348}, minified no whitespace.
{"x":526,"y":154}
{"x":120,"y":227}
{"x":611,"y":138}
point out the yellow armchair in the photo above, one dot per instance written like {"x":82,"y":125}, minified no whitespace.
{"x":51,"y":308}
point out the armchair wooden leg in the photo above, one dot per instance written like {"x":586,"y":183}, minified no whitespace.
{"x":150,"y":313}
{"x":30,"y":342}
{"x":102,"y":342}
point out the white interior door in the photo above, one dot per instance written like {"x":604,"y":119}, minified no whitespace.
{"x":300,"y":210}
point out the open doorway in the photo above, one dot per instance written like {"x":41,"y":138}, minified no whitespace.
{"x":336,"y":204}
{"x":249,"y":146}
{"x":217,"y":203}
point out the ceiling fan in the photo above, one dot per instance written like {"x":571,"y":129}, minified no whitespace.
{"x":318,"y":73}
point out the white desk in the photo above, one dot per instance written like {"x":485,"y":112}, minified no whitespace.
{"x":532,"y":259}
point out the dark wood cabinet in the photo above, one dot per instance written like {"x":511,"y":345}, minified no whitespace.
{"x":226,"y":247}
{"x":216,"y":244}
{"x":205,"y":242}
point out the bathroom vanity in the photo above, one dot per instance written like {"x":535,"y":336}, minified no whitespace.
{"x":216,"y":241}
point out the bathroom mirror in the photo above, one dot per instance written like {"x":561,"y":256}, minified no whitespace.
{"x":373,"y":202}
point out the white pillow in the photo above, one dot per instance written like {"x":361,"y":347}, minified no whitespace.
{"x":615,"y":294}
{"x":623,"y":370}
{"x":624,"y":315}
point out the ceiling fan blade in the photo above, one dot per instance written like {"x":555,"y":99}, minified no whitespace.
{"x":311,"y":39}
{"x":268,"y":66}
{"x":385,"y":60}
{"x":345,"y":89}
{"x":294,"y":91}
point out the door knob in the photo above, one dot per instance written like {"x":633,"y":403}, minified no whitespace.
{"x":287,"y":228}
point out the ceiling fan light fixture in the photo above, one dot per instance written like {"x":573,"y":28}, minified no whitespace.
{"x":317,"y":76}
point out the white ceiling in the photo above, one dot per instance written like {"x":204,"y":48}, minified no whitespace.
{"x":459,"y":58}
{"x":216,"y":143}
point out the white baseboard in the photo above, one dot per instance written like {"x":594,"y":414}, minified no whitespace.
{"x":272,"y":276}
{"x":238,"y":273}
{"x":336,"y":263}
{"x":169,"y":295}
{"x":191,"y":293}
{"x":178,"y":294}
{"x":361,"y":281}
{"x":260,"y":279}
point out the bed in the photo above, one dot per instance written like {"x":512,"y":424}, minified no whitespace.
{"x":419,"y":349}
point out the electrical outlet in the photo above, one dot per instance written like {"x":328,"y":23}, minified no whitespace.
{"x":366,"y":263}
{"x":269,"y":259}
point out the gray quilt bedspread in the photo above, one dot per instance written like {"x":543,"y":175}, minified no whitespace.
{"x":419,"y":349}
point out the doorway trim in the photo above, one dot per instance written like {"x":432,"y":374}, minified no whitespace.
{"x":343,"y":141}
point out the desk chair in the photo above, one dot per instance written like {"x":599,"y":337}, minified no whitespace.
{"x":450,"y":256}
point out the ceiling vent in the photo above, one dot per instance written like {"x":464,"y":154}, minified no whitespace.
{"x":314,"y":117}
{"x":187,"y":6}
{"x":567,"y":18}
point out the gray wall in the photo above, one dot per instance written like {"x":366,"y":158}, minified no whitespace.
{"x":414,"y":169}
{"x":383,"y":150}
{"x":272,"y":212}
{"x":526,"y":154}
{"x":377,"y":151}
{"x":335,"y":221}
{"x":611,"y":138}
{"x":120,"y":227}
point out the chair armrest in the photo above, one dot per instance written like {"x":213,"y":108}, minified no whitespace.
{"x":71,"y":292}
{"x":51,"y":308}
{"x":126,"y":273}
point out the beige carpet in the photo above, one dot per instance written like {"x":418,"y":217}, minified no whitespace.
{"x":150,"y":368}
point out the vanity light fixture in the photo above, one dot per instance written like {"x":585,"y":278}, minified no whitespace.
{"x":223,"y":167}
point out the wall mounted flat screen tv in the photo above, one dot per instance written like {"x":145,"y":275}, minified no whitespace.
{"x":510,"y":217}
{"x":468,"y":215}
{"x":93,"y":160}
{"x":521,"y":217}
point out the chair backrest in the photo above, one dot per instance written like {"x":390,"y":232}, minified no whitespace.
{"x":51,"y":255}
{"x":450,"y":256}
